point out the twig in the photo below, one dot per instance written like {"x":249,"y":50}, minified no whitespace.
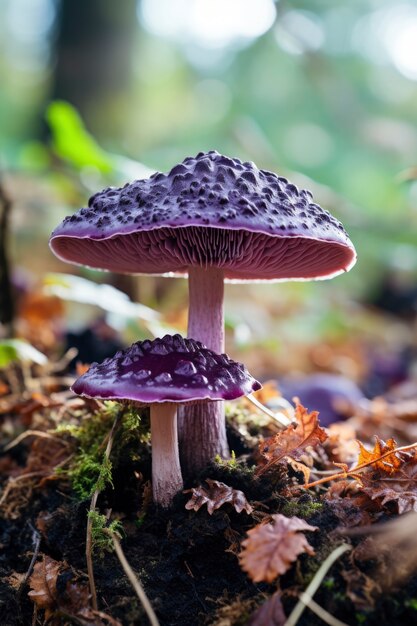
{"x":36,"y":538}
{"x":327,"y":617}
{"x":134,"y":581}
{"x":34,"y":433}
{"x":307,"y":595}
{"x":277,"y":417}
{"x":358,"y":468}
{"x":89,"y":537}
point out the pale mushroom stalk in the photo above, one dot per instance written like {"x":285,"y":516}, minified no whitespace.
{"x":166,"y":470}
{"x":205,"y":315}
{"x":202,"y":427}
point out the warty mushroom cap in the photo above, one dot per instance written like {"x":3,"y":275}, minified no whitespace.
{"x":208,"y":211}
{"x":170,"y":369}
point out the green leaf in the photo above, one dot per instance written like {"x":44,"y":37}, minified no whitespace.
{"x":18,"y":350}
{"x":71,"y":140}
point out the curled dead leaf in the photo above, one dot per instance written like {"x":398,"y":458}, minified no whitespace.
{"x":291,"y":443}
{"x":215,"y":496}
{"x":43,"y":584}
{"x":270,"y":549}
{"x":55,"y":588}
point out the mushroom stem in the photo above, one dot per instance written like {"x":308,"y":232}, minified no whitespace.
{"x":202,"y":432}
{"x":205,"y":315}
{"x":166,"y":470}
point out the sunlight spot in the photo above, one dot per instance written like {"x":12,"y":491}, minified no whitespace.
{"x":208,"y":23}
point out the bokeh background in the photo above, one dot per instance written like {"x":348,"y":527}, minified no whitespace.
{"x":98,"y":93}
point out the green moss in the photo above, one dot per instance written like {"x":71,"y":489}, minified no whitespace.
{"x":301,"y":509}
{"x":230,"y":463}
{"x":360,"y":618}
{"x":101,"y":532}
{"x":89,"y":470}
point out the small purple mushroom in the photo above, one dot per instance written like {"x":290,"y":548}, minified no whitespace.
{"x":162,"y":374}
{"x":213,"y":218}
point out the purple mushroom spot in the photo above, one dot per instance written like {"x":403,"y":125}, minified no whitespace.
{"x":212,"y":218}
{"x":162,"y":374}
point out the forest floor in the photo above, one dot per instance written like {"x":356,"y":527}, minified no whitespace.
{"x":196,"y":561}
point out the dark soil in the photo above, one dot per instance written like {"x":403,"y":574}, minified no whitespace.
{"x":186,"y":560}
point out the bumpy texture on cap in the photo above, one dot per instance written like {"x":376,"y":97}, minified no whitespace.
{"x":209,"y":211}
{"x":171,"y":369}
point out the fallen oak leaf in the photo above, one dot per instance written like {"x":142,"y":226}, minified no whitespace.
{"x":291,"y":443}
{"x":215,"y":496}
{"x":270,"y":549}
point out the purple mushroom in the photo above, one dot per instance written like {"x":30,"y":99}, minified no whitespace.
{"x":162,"y":374}
{"x":212,"y":218}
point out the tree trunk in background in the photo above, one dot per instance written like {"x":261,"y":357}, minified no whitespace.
{"x":6,"y":293}
{"x":92,"y":52}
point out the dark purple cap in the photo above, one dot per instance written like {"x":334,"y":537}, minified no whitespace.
{"x":208,"y":211}
{"x":171,"y":369}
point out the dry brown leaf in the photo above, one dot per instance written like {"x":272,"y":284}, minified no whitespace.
{"x":293,"y":441}
{"x":399,"y":487}
{"x":388,"y":464}
{"x":270,"y":549}
{"x":215,"y":496}
{"x":271,"y":613}
{"x":68,"y":596}
{"x":43,"y":584}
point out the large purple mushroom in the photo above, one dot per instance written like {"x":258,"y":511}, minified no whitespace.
{"x":162,"y":374}
{"x":212,"y":218}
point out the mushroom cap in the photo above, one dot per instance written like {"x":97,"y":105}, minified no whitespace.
{"x":208,"y":211}
{"x":171,"y":369}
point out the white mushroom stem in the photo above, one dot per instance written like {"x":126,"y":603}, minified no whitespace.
{"x":202,"y":432}
{"x":166,"y":470}
{"x":205,"y":315}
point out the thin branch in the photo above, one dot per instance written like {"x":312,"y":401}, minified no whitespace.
{"x":33,"y":433}
{"x":277,"y":417}
{"x":134,"y":581}
{"x":93,"y":503}
{"x":354,"y":470}
{"x":327,"y":617}
{"x":306,"y":597}
{"x":36,"y":539}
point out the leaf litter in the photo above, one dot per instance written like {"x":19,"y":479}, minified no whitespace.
{"x":205,"y":544}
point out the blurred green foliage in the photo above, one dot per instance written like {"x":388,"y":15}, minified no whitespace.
{"x":71,"y":141}
{"x":12,"y":350}
{"x":326,"y":95}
